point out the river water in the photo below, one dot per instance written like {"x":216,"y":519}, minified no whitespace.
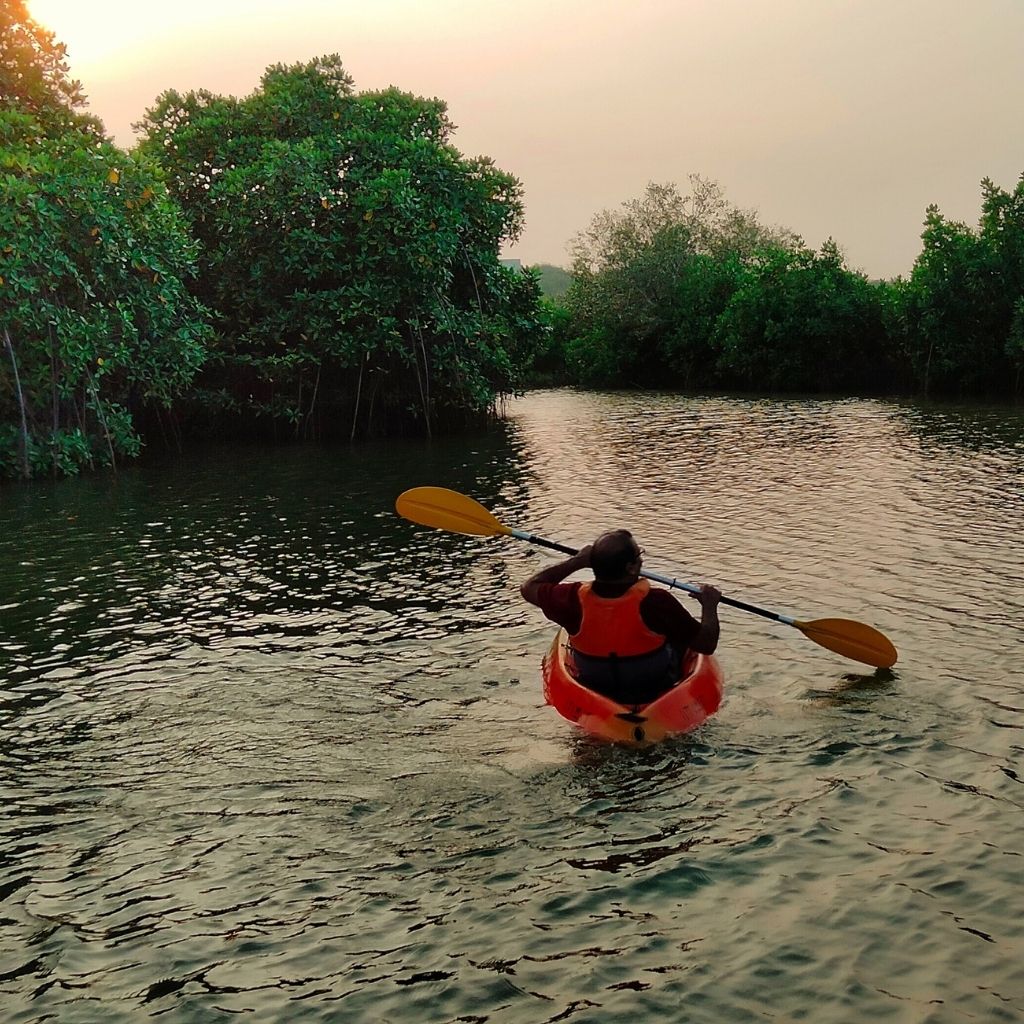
{"x":269,"y":751}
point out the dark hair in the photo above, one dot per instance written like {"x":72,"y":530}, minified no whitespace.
{"x":612,"y":553}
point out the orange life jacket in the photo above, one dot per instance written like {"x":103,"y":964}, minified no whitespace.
{"x":613,"y":625}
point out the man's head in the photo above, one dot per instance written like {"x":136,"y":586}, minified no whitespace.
{"x":616,"y":557}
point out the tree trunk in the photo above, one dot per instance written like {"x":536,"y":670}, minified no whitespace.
{"x":175,"y":429}
{"x":419,"y":381}
{"x":26,"y":469}
{"x":426,"y":365}
{"x":373,"y":398}
{"x":472,"y":274}
{"x":80,"y":415}
{"x":459,"y":376}
{"x":160,"y":424}
{"x":103,"y":420}
{"x":359,"y":391}
{"x":299,"y":418}
{"x":312,"y":435}
{"x":55,"y":398}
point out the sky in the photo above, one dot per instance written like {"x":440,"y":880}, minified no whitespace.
{"x":834,"y":118}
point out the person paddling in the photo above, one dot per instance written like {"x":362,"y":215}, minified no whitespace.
{"x":627,"y":638}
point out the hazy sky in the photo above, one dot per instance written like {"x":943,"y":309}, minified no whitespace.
{"x":830,"y":117}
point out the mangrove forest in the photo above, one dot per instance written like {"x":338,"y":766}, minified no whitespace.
{"x":315,"y":262}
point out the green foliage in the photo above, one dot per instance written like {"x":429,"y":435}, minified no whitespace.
{"x":650,"y":279}
{"x":959,"y":328}
{"x":548,"y":363}
{"x":686,"y":290}
{"x":1015,"y":343}
{"x":349,"y":253}
{"x":94,"y":311}
{"x":802,"y":321}
{"x":704,"y":290}
{"x":349,"y":250}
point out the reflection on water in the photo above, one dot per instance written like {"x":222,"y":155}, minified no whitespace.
{"x":966,"y":428}
{"x":267,"y":749}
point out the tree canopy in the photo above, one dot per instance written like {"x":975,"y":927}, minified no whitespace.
{"x":962,"y":311}
{"x":688,"y":291}
{"x":314,"y":260}
{"x":650,"y":278}
{"x":307,"y":257}
{"x":94,"y":306}
{"x":34,"y":73}
{"x":349,"y":250}
{"x":95,"y":313}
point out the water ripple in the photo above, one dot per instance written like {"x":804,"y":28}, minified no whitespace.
{"x":269,"y":750}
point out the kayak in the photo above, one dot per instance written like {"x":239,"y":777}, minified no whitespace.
{"x":690,"y":702}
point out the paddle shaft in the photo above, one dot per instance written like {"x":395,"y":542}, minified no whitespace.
{"x":443,"y":509}
{"x":668,"y":581}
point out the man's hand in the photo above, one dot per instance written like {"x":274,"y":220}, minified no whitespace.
{"x":706,"y":640}
{"x":555,"y":573}
{"x":582,"y":557}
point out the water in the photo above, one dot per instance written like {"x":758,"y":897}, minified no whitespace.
{"x":267,"y":750}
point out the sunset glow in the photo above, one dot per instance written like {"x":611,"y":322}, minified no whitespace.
{"x":96,"y":32}
{"x":842,"y":120}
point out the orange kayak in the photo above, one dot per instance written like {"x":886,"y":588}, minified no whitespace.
{"x":690,"y":702}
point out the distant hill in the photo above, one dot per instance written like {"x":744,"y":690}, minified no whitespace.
{"x":554,"y":281}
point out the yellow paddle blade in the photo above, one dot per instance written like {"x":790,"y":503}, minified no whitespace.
{"x":448,"y":510}
{"x":852,"y":640}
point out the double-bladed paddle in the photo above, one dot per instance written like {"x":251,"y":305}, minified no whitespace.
{"x":448,"y":510}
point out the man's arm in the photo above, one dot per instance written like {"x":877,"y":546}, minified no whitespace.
{"x":554,"y":574}
{"x":705,"y":640}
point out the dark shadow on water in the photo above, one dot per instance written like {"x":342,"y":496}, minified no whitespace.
{"x":182,"y":552}
{"x":621,"y":773}
{"x":615,"y":785}
{"x":854,"y":688}
{"x":976,"y":426}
